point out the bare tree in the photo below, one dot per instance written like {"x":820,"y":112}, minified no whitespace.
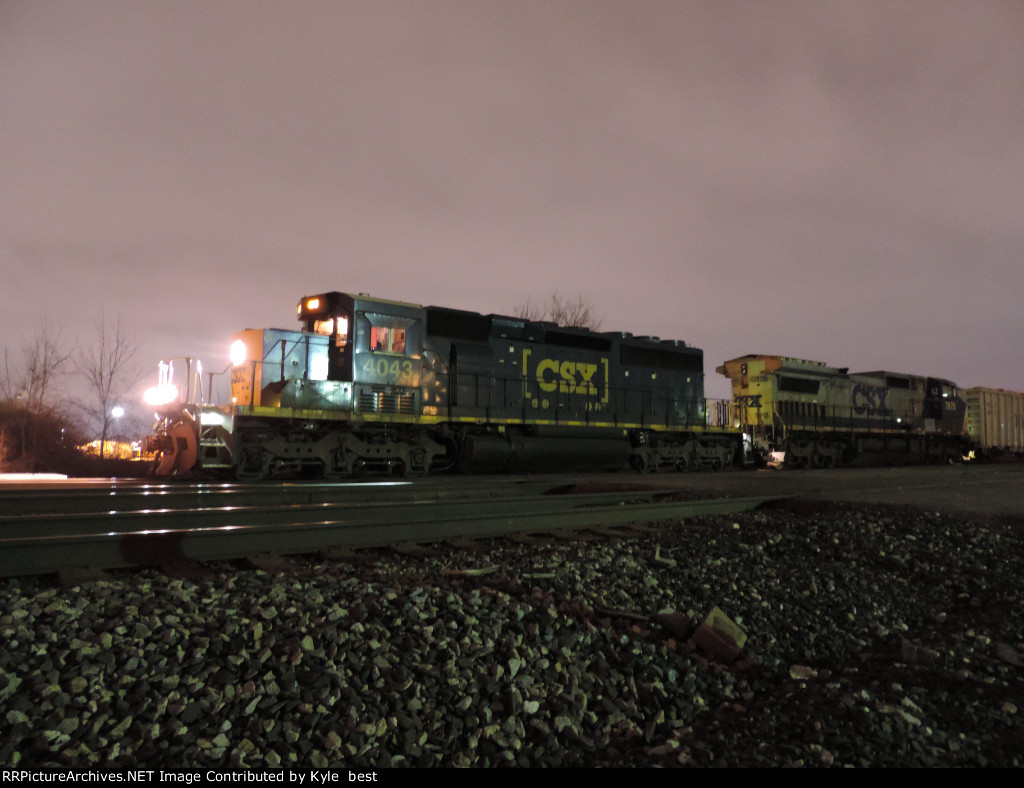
{"x":8,"y":381}
{"x":44,"y":360}
{"x":110,"y":369}
{"x":577,"y":313}
{"x":27,"y":395}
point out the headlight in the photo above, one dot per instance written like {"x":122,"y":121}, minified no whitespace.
{"x":238,"y":353}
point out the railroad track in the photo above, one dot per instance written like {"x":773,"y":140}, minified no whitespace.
{"x":123,"y":524}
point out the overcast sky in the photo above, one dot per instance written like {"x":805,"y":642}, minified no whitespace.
{"x":839,"y":181}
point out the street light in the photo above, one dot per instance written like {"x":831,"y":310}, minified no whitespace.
{"x":116,"y":412}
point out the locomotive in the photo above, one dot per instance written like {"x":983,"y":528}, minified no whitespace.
{"x":822,"y":416}
{"x":377,"y":385}
{"x":371,"y":384}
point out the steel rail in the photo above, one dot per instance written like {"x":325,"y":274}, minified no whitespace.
{"x":45,"y":543}
{"x":79,"y":498}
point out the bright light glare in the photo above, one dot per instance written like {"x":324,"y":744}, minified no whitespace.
{"x":165,"y":392}
{"x":318,"y":367}
{"x":117,"y":412}
{"x":238,"y":353}
{"x":32,"y":477}
{"x":212,"y":418}
{"x":161,"y":395}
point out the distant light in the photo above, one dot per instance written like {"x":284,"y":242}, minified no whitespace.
{"x":117,"y":411}
{"x":238,"y":353}
{"x":313,"y":303}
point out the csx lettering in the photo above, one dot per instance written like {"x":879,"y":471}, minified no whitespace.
{"x":868,"y":399}
{"x":569,"y":377}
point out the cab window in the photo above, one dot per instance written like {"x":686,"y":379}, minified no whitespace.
{"x":387,"y":339}
{"x":336,"y":327}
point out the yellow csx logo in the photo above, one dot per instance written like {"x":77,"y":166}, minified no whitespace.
{"x":569,"y":377}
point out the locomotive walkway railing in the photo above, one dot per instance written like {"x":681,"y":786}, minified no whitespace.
{"x":492,"y":397}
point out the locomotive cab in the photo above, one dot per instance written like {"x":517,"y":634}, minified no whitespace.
{"x":327,"y":316}
{"x":353,"y":353}
{"x":374,"y":351}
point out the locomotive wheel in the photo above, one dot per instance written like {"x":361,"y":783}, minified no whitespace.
{"x":339,"y":465}
{"x":415,"y":464}
{"x":253,"y":463}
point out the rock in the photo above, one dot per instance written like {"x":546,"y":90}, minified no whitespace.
{"x":192,"y":712}
{"x":419,"y":666}
{"x":1009,"y":655}
{"x":77,"y":685}
{"x":17,"y":718}
{"x":119,"y":730}
{"x":915,"y":654}
{"x":680,"y":625}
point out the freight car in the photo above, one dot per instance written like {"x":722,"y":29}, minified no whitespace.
{"x":822,"y":416}
{"x":995,"y":422}
{"x":392,"y":386}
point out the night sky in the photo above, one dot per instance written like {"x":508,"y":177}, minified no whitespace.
{"x":838,"y":181}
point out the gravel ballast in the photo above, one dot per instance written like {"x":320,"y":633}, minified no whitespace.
{"x":876,"y":637}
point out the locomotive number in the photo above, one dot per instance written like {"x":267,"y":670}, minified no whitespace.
{"x":393,"y":369}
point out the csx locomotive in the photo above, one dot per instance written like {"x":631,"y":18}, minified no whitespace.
{"x":821,"y":416}
{"x":386,"y":385}
{"x":391,"y":386}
